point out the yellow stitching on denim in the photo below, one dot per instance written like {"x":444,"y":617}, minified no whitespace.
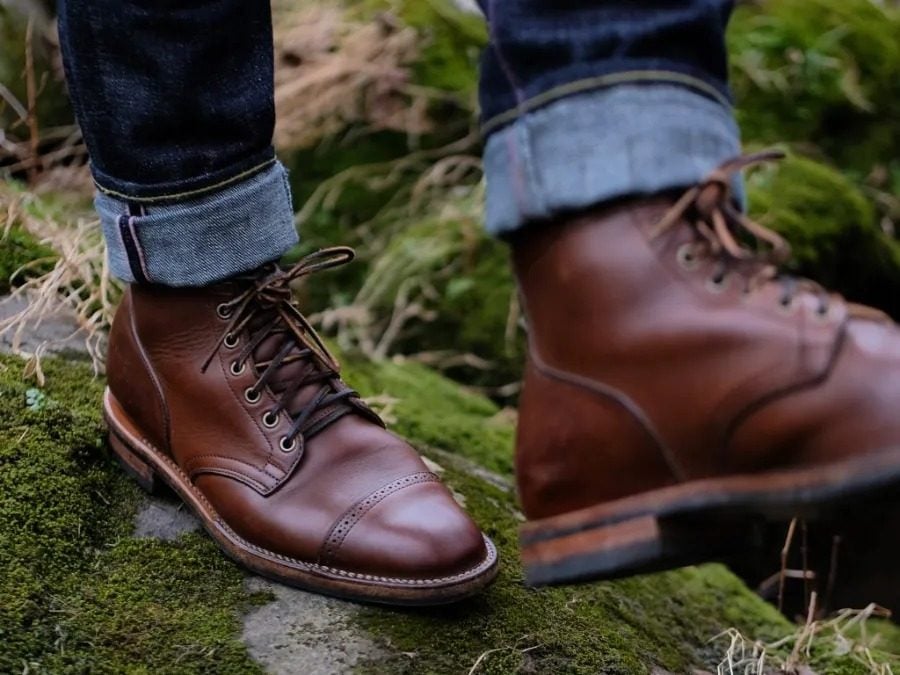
{"x":585,"y":85}
{"x":189,"y":193}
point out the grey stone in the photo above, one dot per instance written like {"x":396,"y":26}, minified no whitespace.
{"x":58,"y":333}
{"x":165,"y":519}
{"x":302,"y":633}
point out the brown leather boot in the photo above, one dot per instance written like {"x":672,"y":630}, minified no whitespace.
{"x":679,"y":390}
{"x":227,"y":395}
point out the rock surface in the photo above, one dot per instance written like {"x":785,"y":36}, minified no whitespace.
{"x":299,"y":631}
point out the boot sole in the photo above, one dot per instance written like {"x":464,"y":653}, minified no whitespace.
{"x":695,"y":522}
{"x":150,"y":466}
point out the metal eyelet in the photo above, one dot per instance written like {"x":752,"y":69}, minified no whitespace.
{"x":287,"y":447}
{"x":223,"y":311}
{"x":686,"y":257}
{"x":231,"y":340}
{"x":237,"y":368}
{"x":787,"y":305}
{"x":270,"y":420}
{"x":251,"y":395}
{"x":717,"y":284}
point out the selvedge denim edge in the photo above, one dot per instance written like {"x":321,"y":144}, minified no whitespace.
{"x":201,"y":241}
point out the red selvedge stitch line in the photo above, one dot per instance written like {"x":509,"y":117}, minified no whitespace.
{"x":487,"y":562}
{"x":343,"y":525}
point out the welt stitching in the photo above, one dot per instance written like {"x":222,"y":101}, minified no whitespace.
{"x":484,"y":564}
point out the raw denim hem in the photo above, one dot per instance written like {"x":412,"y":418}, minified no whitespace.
{"x":583,"y":150}
{"x":200,"y":241}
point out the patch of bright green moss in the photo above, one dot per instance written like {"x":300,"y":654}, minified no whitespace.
{"x":433,"y":411}
{"x":17,"y":250}
{"x":820,"y":71}
{"x":77,"y":592}
{"x":832,"y":228}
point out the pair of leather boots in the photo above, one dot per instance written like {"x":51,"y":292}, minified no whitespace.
{"x":680,"y":397}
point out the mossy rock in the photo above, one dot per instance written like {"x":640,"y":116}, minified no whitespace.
{"x":81,"y":594}
{"x":832,"y":227}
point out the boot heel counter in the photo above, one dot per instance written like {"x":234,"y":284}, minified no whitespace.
{"x":576,"y":448}
{"x":131,"y":378}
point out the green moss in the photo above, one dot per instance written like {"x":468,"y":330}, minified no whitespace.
{"x":832,"y":228}
{"x":79,"y":593}
{"x":434,"y":412}
{"x":82,"y":595}
{"x":820,"y":71}
{"x":17,"y":250}
{"x":453,"y":41}
{"x":627,"y":626}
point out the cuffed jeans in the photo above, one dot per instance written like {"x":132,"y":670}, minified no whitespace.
{"x":582,"y":102}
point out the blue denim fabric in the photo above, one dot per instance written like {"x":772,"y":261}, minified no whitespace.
{"x":579,"y":151}
{"x":584,"y":102}
{"x":202,"y":240}
{"x":176,"y":104}
{"x":174,"y":99}
{"x":541,"y":50}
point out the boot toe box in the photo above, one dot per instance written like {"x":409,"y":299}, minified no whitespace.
{"x":418,"y":532}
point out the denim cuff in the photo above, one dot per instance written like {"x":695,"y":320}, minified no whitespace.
{"x":201,"y":241}
{"x":579,"y":151}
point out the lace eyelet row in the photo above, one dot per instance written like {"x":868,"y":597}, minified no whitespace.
{"x":688,"y":260}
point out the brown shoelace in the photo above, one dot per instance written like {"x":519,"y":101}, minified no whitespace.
{"x":285,"y":350}
{"x":720,"y":229}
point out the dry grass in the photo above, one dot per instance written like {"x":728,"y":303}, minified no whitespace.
{"x":79,"y":284}
{"x":423,"y":236}
{"x":845,"y":634}
{"x":332,"y":71}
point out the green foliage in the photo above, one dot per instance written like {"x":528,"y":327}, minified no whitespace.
{"x":832,"y":228}
{"x":452,"y":43}
{"x":822,"y":72}
{"x":21,"y":256}
{"x":435,"y":412}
